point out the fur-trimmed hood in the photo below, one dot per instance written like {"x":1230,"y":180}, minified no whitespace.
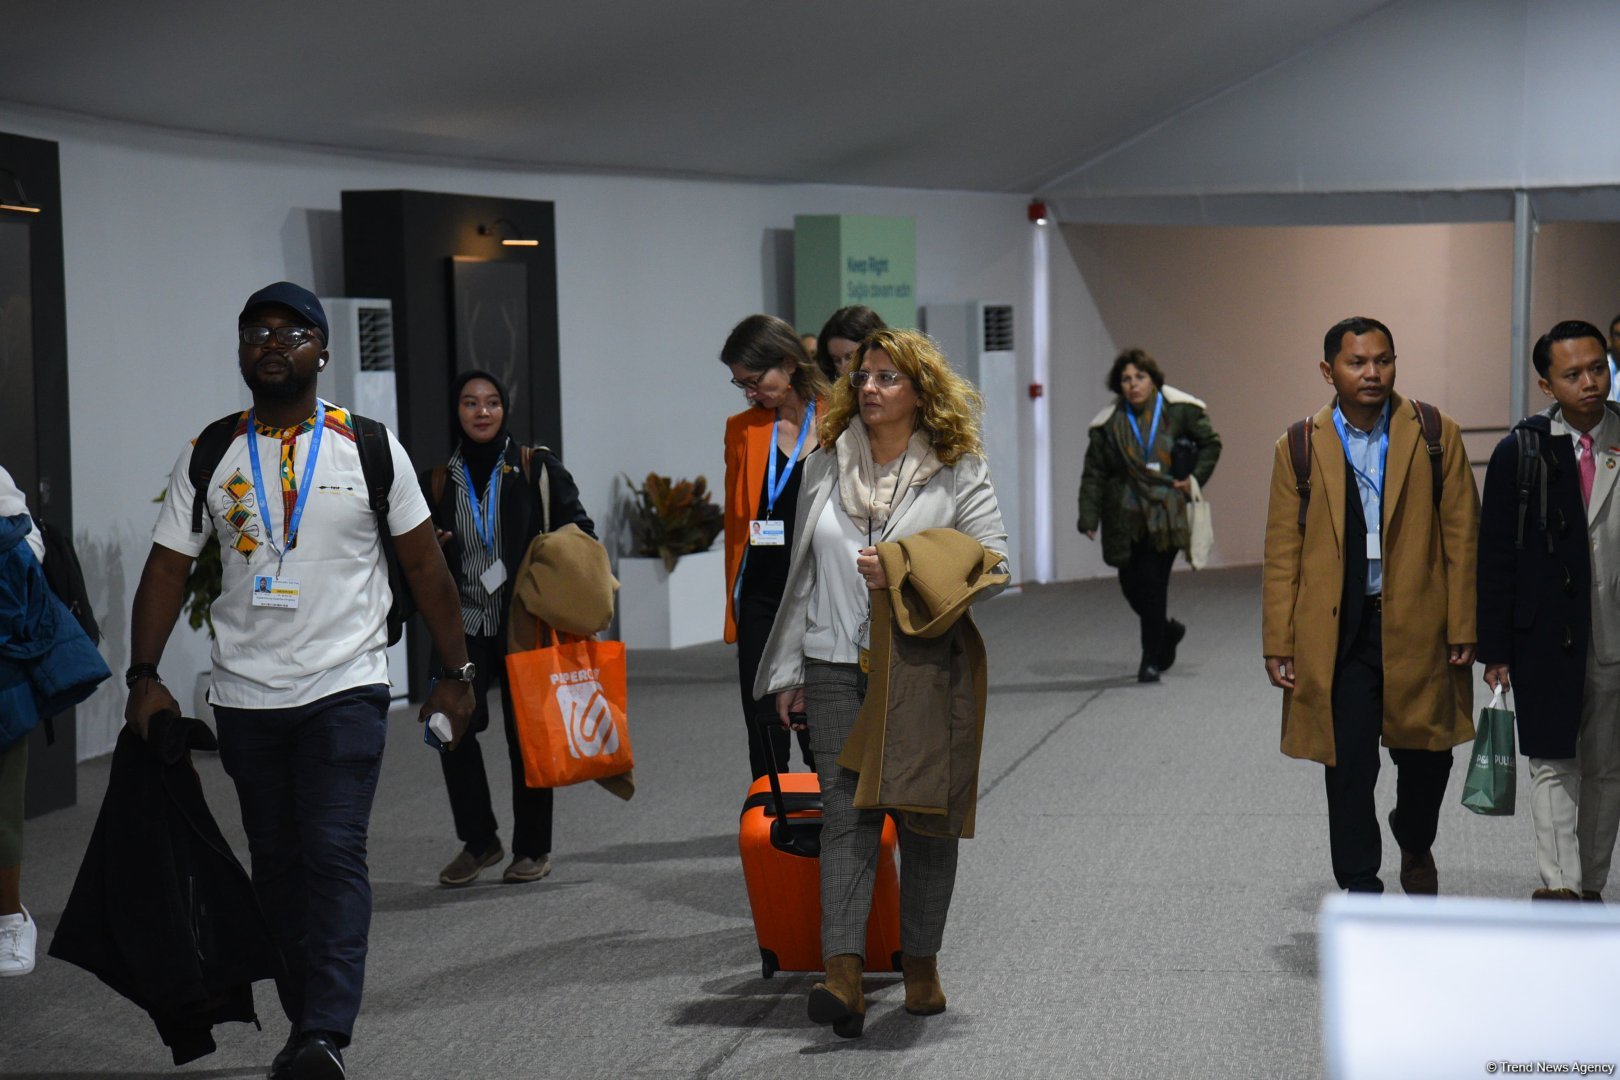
{"x":1172,"y":396}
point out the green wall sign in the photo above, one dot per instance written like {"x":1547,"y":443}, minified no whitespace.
{"x":844,"y":259}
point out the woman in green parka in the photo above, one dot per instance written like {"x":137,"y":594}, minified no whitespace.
{"x":1143,"y":448}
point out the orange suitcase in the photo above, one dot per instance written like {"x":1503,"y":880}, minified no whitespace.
{"x":782,"y":866}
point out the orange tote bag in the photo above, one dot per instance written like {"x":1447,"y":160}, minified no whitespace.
{"x":569,"y":698}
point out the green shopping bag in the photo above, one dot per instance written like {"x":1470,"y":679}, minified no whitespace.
{"x":1492,"y":770}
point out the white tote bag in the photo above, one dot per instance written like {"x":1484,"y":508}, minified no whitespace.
{"x":1200,"y":527}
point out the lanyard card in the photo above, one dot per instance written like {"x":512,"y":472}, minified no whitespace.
{"x":1375,"y":551}
{"x":275,"y":592}
{"x":767,"y":533}
{"x":493,"y":578}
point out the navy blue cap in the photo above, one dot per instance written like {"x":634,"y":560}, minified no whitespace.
{"x":291,"y":296}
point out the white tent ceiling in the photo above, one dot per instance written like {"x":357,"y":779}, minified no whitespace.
{"x":957,"y":94}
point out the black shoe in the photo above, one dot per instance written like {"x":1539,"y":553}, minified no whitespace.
{"x":318,"y":1059}
{"x":1147,"y":673}
{"x":281,"y":1064}
{"x":1173,"y":633}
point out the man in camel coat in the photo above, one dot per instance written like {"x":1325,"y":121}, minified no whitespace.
{"x":1369,"y":613}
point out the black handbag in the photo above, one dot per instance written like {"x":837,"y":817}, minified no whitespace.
{"x":1183,"y":457}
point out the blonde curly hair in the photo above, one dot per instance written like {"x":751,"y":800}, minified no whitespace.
{"x":951,"y":407}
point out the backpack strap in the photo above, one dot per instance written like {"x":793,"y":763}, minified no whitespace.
{"x":1299,"y":453}
{"x":377,"y":467}
{"x":1531,"y":475}
{"x":1429,"y":421}
{"x":206,"y":453}
{"x":438,"y":476}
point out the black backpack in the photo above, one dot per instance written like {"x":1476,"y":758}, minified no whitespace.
{"x":376,"y":464}
{"x":66,"y":577}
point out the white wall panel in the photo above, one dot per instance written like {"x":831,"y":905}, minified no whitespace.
{"x":166,"y":234}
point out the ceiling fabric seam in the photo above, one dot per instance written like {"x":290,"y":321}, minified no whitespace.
{"x":1043,"y":187}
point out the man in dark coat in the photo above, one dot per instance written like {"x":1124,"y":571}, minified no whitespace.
{"x":1549,"y":523}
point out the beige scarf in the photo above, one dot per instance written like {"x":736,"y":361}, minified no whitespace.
{"x":867,"y":500}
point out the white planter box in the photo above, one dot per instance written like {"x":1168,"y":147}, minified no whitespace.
{"x":663,"y":610}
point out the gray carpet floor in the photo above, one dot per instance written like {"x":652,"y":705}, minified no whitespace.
{"x":1140,"y":900}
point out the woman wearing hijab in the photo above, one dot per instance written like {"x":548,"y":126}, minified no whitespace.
{"x":766,"y":445}
{"x":1136,"y":485}
{"x":901,"y":456}
{"x":487,"y":508}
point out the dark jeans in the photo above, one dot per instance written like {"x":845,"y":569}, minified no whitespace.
{"x":305,"y":777}
{"x":468,"y":783}
{"x":1355,"y":836}
{"x":754,"y":621}
{"x":1145,"y":581}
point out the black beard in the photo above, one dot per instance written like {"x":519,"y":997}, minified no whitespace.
{"x":290,"y":388}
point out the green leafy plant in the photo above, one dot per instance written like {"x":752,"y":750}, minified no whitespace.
{"x":203,"y":584}
{"x":670,"y":519}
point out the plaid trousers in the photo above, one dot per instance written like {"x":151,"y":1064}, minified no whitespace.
{"x":851,"y":839}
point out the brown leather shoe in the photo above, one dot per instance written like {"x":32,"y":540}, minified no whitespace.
{"x":466,"y":866}
{"x":1555,"y":894}
{"x":839,"y":1000}
{"x":1591,"y":896}
{"x":924,"y":995}
{"x":1419,"y":876}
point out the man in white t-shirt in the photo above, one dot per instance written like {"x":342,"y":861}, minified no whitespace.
{"x":300,"y":679}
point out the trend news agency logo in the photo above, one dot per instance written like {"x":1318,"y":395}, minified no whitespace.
{"x":587,"y":716}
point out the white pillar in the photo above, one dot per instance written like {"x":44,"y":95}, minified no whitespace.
{"x":1524,"y":247}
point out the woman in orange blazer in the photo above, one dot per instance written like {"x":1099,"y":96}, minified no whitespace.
{"x":783,"y":387}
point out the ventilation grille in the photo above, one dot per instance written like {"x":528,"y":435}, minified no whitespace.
{"x":376,"y":338}
{"x":998,"y":328}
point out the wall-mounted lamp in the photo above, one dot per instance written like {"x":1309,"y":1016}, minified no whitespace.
{"x":510,"y":234}
{"x":12,"y":196}
{"x":1037,"y":212}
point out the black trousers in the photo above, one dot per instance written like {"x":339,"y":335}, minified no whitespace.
{"x":1145,"y":581}
{"x":754,"y":619}
{"x":468,"y":784}
{"x":1355,"y":836}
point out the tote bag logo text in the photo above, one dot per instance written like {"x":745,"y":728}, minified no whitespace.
{"x":586,"y":712}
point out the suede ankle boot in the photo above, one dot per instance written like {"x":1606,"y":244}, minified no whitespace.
{"x":924,"y":995}
{"x":839,"y":1000}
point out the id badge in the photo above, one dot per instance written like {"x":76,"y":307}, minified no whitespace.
{"x":493,"y":578}
{"x":275,"y":592}
{"x":767,"y":533}
{"x":1374,"y":548}
{"x":1154,"y":466}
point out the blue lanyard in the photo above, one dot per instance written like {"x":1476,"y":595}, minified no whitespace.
{"x":1153,"y":433}
{"x":1376,"y":483}
{"x":304,"y":486}
{"x":484,"y":520}
{"x":773,"y":490}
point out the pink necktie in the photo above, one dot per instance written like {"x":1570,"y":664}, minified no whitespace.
{"x":1587,"y":468}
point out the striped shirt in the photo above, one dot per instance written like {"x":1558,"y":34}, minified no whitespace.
{"x":480,"y":609}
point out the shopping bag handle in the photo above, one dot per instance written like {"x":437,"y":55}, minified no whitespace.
{"x":1498,"y":699}
{"x":545,"y":635}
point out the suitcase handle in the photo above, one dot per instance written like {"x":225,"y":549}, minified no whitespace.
{"x":796,"y":836}
{"x":797,"y":802}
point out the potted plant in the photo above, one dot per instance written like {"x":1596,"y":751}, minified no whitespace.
{"x":672,"y":579}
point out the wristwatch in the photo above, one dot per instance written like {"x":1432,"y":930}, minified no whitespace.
{"x":464,"y":673}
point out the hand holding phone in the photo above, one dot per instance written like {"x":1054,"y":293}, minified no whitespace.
{"x":436,"y":732}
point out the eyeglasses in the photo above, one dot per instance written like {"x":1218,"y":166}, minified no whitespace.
{"x":751,"y":386}
{"x":886,"y":379}
{"x":289,"y":337}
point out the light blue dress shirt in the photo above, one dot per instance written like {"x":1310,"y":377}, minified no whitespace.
{"x":1364,"y":450}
